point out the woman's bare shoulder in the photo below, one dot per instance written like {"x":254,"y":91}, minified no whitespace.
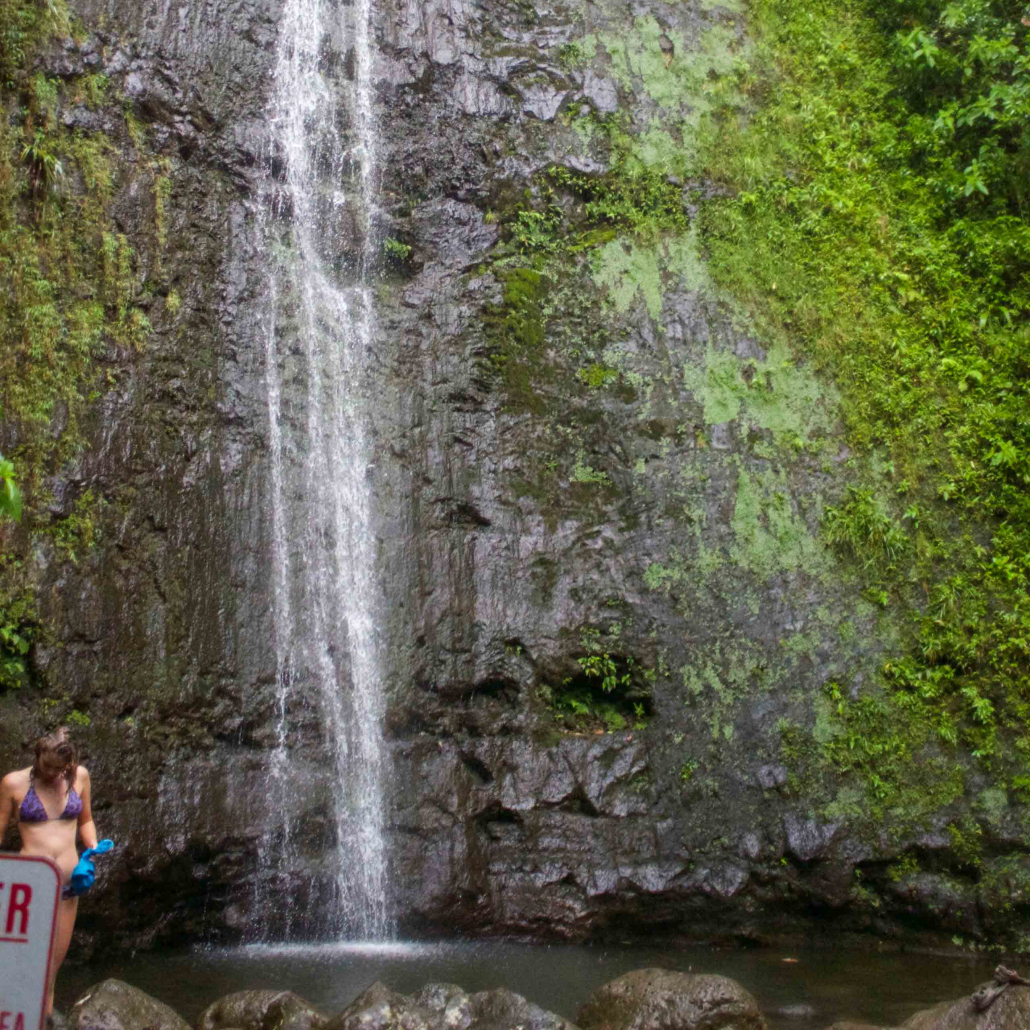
{"x":82,"y":776}
{"x":18,"y":780}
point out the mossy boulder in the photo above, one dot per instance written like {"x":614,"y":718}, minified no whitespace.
{"x":1011,"y":1011}
{"x":261,"y":1010}
{"x":661,"y":999}
{"x":502,"y":1009}
{"x":115,"y":1005}
{"x":444,"y":1007}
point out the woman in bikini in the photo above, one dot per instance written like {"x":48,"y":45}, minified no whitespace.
{"x":50,"y":801}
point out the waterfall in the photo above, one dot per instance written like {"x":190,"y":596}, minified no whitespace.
{"x":318,"y":231}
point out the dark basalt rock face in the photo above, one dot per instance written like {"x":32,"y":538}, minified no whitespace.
{"x":621,"y":487}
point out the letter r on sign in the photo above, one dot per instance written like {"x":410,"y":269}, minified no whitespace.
{"x":21,"y":895}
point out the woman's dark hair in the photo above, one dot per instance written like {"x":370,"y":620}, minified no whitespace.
{"x":56,"y":756}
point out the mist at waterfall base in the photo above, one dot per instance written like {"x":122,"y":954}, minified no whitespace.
{"x":882,"y":988}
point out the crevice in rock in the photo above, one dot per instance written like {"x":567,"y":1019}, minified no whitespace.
{"x":577,"y":803}
{"x":403,"y":723}
{"x":461,"y":513}
{"x":608,"y":693}
{"x":500,"y":823}
{"x":515,"y":648}
{"x":463,"y":400}
{"x":480,"y":773}
{"x":500,"y":687}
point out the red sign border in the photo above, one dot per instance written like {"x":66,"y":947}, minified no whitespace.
{"x":8,"y":856}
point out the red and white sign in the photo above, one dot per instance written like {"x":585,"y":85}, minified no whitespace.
{"x":30,"y":889}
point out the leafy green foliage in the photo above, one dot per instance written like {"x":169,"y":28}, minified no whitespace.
{"x":10,"y":495}
{"x":603,"y":667}
{"x":539,"y":232}
{"x":579,"y":708}
{"x":68,"y":283}
{"x":641,"y":200}
{"x":78,"y":532}
{"x":92,"y":90}
{"x":564,"y":215}
{"x":568,"y":212}
{"x":396,"y":250}
{"x":570,"y":55}
{"x":23,"y":26}
{"x":963,"y":71}
{"x":597,"y":375}
{"x":605,"y":696}
{"x":584,"y":473}
{"x":878,"y":221}
{"x":862,"y":528}
{"x":17,"y":627}
{"x":46,"y":169}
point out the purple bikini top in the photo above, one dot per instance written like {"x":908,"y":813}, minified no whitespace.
{"x":31,"y":809}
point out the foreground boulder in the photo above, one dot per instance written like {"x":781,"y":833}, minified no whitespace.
{"x":443,"y":1007}
{"x":261,"y":1010}
{"x":1011,"y":1011}
{"x":659,"y":999}
{"x":502,"y":1009}
{"x":114,"y":1005}
{"x":380,"y":1008}
{"x":450,"y":1002}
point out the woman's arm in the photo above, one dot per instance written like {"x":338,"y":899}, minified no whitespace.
{"x":86,"y":826}
{"x":6,"y":806}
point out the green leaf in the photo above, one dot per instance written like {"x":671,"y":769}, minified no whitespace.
{"x":10,"y":499}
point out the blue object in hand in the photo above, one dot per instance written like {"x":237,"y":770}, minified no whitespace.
{"x":85,"y":872}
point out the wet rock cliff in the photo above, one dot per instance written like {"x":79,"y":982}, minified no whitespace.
{"x":613,"y":628}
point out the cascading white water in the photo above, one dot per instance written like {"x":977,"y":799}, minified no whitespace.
{"x":319,"y":236}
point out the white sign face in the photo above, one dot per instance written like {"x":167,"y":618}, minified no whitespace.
{"x":30,"y":889}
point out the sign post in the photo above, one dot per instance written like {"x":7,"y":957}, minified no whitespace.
{"x":30,"y":889}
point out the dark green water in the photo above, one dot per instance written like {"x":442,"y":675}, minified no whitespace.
{"x":865,"y":985}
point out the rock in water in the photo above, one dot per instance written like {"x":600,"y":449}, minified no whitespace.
{"x":502,"y":1009}
{"x":443,"y":1007}
{"x":450,"y":1002}
{"x":1010,"y":1011}
{"x":261,"y":1010}
{"x":114,"y":1005}
{"x":658,"y":999}
{"x":379,"y":1008}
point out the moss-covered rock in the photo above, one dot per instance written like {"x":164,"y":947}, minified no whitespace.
{"x":114,"y":1005}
